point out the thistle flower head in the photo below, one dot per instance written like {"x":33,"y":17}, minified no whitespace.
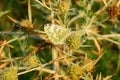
{"x":26,"y":24}
{"x":64,"y":6}
{"x":75,"y":72}
{"x":33,"y":61}
{"x":10,"y":74}
{"x":113,"y":11}
{"x":73,"y":41}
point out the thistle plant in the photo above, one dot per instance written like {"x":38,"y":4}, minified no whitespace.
{"x":59,"y":40}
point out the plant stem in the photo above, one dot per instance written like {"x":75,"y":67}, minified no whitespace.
{"x":56,"y":63}
{"x":118,"y":64}
{"x":97,"y":13}
{"x":105,"y":38}
{"x":37,"y":68}
{"x":43,"y":5}
{"x":29,"y":11}
{"x":10,"y":58}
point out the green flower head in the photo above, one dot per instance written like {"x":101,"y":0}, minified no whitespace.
{"x":73,"y":41}
{"x":10,"y":74}
{"x":75,"y":72}
{"x":33,"y":61}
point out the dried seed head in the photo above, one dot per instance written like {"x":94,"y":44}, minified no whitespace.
{"x":26,"y":24}
{"x":73,"y":41}
{"x":10,"y":74}
{"x":90,"y":65}
{"x":33,"y":61}
{"x":56,"y":34}
{"x":75,"y":72}
{"x":113,"y":11}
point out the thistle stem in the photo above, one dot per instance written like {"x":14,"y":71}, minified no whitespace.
{"x":56,"y":63}
{"x":29,"y":11}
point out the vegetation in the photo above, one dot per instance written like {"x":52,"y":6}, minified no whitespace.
{"x":59,"y":40}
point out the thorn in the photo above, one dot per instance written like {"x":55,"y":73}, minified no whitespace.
{"x":12,"y":19}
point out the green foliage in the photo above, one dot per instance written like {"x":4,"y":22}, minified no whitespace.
{"x":43,"y":38}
